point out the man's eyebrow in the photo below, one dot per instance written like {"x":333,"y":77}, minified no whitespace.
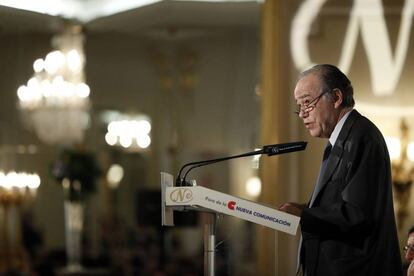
{"x":307,"y":94}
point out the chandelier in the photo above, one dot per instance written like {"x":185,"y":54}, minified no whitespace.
{"x":130,"y":131}
{"x":55,"y":100}
{"x":16,"y":189}
{"x":16,"y":186}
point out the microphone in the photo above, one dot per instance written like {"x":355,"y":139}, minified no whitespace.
{"x":269,"y":150}
{"x":284,"y":148}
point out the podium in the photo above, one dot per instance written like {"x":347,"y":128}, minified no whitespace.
{"x":202,"y":199}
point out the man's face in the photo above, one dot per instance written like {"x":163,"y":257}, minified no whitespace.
{"x":321,"y":116}
{"x":409,"y":254}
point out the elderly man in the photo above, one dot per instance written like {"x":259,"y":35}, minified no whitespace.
{"x":348,"y":226}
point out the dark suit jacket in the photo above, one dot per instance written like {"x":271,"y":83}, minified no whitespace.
{"x":350,"y":229}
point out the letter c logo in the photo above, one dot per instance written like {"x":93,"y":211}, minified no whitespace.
{"x":231,"y":204}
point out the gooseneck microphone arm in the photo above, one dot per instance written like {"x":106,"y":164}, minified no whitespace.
{"x":269,"y":150}
{"x":196,"y":164}
{"x":208,"y":162}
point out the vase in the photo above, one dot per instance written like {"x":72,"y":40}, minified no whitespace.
{"x":73,"y":234}
{"x":73,"y":214}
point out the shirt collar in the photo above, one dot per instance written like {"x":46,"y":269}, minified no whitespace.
{"x":338,"y":127}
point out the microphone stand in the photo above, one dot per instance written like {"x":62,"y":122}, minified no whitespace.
{"x":270,"y":150}
{"x":181,"y":181}
{"x":212,"y":161}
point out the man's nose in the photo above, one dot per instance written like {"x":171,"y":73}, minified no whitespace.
{"x":302,"y":114}
{"x":409,"y":255}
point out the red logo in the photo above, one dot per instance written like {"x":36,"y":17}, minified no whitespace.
{"x":231,"y":204}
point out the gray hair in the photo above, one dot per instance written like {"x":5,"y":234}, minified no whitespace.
{"x":331,"y":77}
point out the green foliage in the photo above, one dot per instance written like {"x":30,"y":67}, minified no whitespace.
{"x":77,"y":167}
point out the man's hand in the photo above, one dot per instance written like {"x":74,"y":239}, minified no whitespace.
{"x":292,"y":208}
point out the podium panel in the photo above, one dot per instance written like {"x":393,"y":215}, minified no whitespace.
{"x":203,"y":199}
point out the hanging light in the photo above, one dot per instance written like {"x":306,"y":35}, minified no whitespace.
{"x":55,"y":100}
{"x":131,"y":132}
{"x":15,"y":185}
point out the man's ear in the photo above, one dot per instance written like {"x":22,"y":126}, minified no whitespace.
{"x":338,"y":97}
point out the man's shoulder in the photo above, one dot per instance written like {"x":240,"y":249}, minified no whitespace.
{"x":360,"y":121}
{"x":363,"y":127}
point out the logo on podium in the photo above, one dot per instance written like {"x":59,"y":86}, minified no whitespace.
{"x":181,"y":195}
{"x":231,"y":205}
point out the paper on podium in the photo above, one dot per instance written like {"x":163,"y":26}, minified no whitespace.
{"x":198,"y":196}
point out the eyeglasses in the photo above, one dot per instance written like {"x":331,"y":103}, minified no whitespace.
{"x":409,"y":247}
{"x":308,"y":107}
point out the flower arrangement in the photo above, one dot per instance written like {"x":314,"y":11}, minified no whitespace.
{"x":78,"y":171}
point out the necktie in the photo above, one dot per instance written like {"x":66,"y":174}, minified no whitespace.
{"x":318,"y":185}
{"x":327,"y":151}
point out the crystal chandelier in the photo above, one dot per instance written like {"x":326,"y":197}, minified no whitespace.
{"x":131,"y":132}
{"x":55,"y":100}
{"x":16,"y":186}
{"x":17,"y":189}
